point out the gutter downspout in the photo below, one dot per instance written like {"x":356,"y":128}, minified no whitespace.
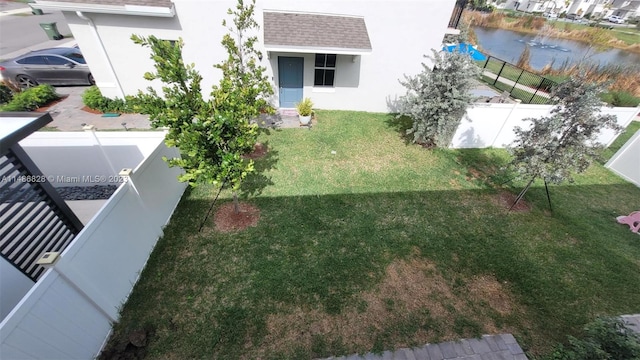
{"x":94,"y":30}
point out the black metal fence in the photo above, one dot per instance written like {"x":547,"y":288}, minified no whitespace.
{"x":457,"y":13}
{"x":521,"y":84}
{"x":33,"y":217}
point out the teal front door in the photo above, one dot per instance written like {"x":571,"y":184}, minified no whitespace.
{"x":290,"y":72}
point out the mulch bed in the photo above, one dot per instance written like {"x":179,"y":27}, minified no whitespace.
{"x":227,"y":220}
{"x":90,"y":110}
{"x":259,"y":150}
{"x":507,"y":198}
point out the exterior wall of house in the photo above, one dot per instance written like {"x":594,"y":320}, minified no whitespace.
{"x":13,"y":286}
{"x":531,"y":6}
{"x":625,"y":8}
{"x":579,"y":7}
{"x":401,"y":32}
{"x":129,"y":61}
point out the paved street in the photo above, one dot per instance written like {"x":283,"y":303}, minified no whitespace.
{"x":20,"y":30}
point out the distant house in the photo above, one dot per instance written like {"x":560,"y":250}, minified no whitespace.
{"x":343,"y":54}
{"x":626,"y":8}
{"x":594,"y":8}
{"x":530,"y":6}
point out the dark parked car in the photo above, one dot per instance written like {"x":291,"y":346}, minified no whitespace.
{"x":573,"y":17}
{"x":55,"y":66}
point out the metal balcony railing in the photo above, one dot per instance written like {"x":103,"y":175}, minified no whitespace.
{"x":457,"y":13}
{"x":33,"y":217}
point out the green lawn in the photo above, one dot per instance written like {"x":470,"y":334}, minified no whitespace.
{"x":383,"y":245}
{"x":629,"y":35}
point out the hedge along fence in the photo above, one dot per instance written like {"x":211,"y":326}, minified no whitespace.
{"x":491,"y":125}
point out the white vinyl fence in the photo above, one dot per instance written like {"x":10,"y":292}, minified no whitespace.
{"x":626,"y":162}
{"x":491,"y":125}
{"x":68,"y":313}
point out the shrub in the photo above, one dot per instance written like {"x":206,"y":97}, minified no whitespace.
{"x":603,"y":339}
{"x":438,"y":97}
{"x":620,"y":98}
{"x":32,"y":98}
{"x":5,"y":94}
{"x":94,"y":99}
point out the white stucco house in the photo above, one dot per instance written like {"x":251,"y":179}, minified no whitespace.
{"x":625,"y":8}
{"x":343,"y":54}
{"x":595,"y":8}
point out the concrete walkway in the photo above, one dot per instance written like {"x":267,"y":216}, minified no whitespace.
{"x":68,"y":116}
{"x":488,"y":347}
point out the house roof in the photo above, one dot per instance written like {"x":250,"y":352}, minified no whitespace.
{"x":304,"y":32}
{"x":158,"y":8}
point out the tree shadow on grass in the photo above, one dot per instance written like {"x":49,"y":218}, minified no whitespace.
{"x":257,"y":181}
{"x":207,"y":292}
{"x":486,"y":167}
{"x":400,"y":124}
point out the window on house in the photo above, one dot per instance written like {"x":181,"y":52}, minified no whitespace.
{"x":325,"y":69}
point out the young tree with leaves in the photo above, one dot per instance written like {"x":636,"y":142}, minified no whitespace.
{"x":212,"y":134}
{"x":244,"y":89}
{"x":555,"y":147}
{"x":438,"y":97}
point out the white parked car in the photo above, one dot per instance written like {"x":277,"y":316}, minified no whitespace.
{"x":615,"y":19}
{"x":551,"y":15}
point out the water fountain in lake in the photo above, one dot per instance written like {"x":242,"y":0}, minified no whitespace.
{"x":543,"y":40}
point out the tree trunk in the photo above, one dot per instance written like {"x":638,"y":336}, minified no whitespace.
{"x":236,"y":204}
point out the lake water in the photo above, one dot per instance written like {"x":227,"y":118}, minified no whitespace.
{"x":508,"y":45}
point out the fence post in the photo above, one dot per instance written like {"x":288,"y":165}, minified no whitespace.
{"x":535,"y":92}
{"x":499,"y":72}
{"x":486,"y":62}
{"x":516,"y":83}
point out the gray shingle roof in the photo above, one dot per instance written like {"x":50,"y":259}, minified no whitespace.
{"x":311,"y":30}
{"x":155,"y":3}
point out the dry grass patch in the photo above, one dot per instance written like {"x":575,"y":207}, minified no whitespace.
{"x":505,"y":200}
{"x":412,"y":291}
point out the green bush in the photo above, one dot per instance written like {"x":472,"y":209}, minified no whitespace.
{"x":94,"y":99}
{"x":5,"y":94}
{"x":620,"y":98}
{"x":31,"y":98}
{"x":603,"y":339}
